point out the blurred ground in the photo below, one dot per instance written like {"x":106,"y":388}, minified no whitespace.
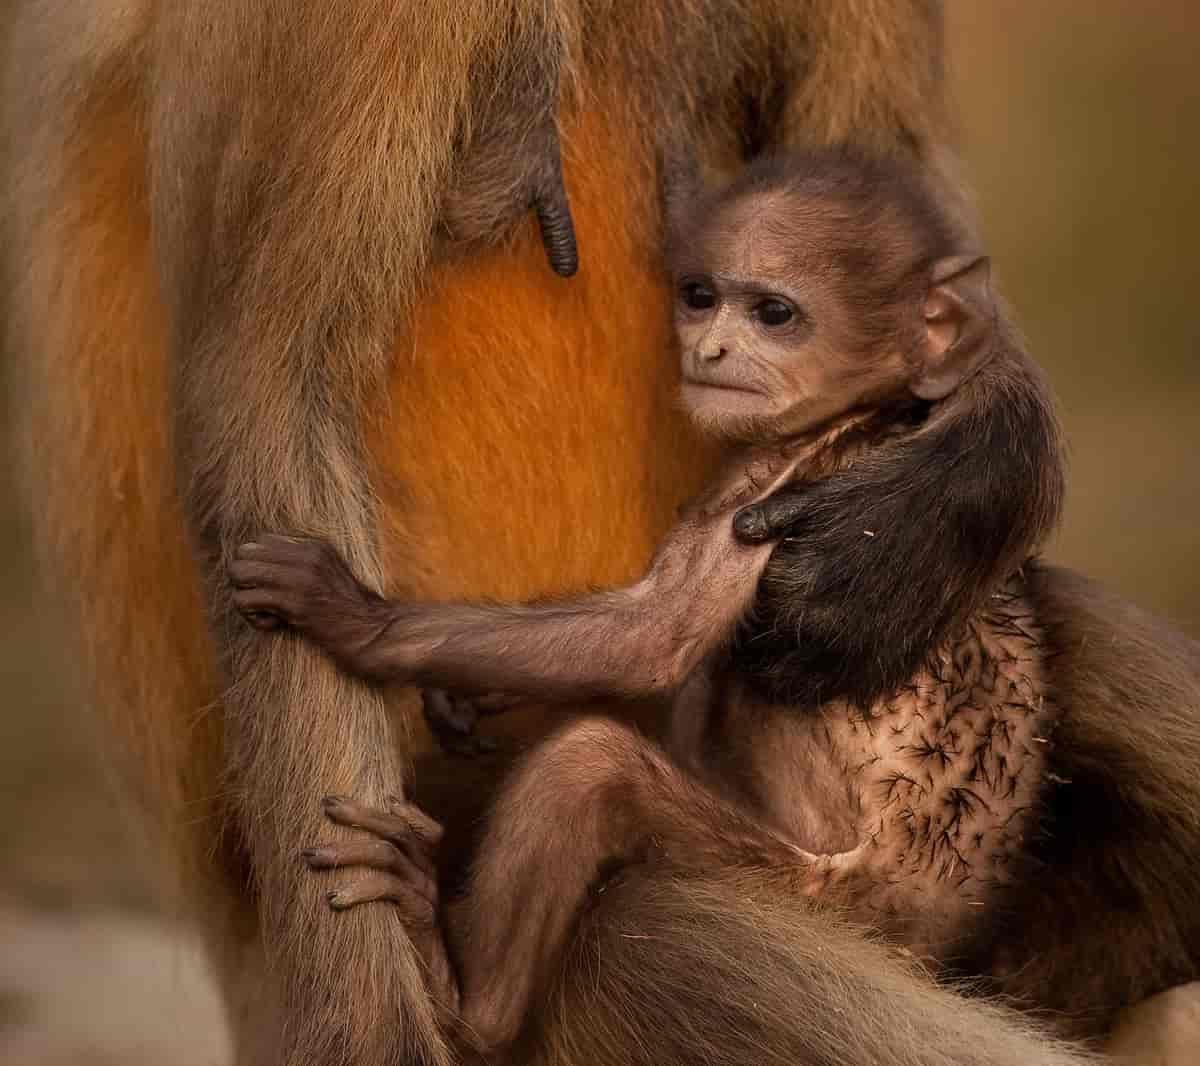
{"x":1080,"y":124}
{"x":105,"y":988}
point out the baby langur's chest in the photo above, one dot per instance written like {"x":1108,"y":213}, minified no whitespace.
{"x":917,"y":809}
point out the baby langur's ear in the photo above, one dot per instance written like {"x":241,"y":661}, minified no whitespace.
{"x":960,"y":316}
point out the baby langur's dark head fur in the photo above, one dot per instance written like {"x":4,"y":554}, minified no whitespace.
{"x":822,"y":283}
{"x":819,"y":283}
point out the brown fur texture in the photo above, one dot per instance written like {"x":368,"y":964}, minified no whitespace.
{"x":229,"y":233}
{"x":770,"y":966}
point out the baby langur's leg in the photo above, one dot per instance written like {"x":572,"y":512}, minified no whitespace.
{"x":593,"y":798}
{"x":587,"y":801}
{"x":402,"y":871}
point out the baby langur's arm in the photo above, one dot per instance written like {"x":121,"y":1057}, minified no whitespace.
{"x":634,"y":641}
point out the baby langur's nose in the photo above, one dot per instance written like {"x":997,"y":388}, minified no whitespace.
{"x":713,"y":353}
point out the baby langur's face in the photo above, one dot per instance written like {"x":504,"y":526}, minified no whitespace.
{"x":767,"y":344}
{"x":770,"y":344}
{"x":760,"y":358}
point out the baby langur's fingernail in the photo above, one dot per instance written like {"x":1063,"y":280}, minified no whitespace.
{"x":334,"y":898}
{"x":309,"y":854}
{"x":331,"y":801}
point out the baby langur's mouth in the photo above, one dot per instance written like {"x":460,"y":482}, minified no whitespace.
{"x":694,"y":382}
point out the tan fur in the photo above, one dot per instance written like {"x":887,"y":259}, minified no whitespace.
{"x":253,"y":192}
{"x":771,"y":966}
{"x":1163,"y":1030}
{"x":853,"y":94}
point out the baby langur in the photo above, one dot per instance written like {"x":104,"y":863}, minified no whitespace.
{"x":840,"y":338}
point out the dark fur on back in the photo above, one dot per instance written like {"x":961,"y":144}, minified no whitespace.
{"x":890,"y":554}
{"x":1121,"y":830}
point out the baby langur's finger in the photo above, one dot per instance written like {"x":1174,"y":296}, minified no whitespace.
{"x":416,"y":862}
{"x":255,"y":602}
{"x":554,"y":215}
{"x":249,"y":549}
{"x":412,"y":858}
{"x":399,"y":826}
{"x":411,"y":863}
{"x":494,"y":702}
{"x":345,"y":811}
{"x":271,"y":543}
{"x":244,"y":573}
{"x":379,"y":854}
{"x":267,"y":548}
{"x":263,"y":619}
{"x":769,"y":519}
{"x":381,"y":886}
{"x":426,"y":828}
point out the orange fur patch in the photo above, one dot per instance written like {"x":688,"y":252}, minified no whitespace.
{"x":531,"y":444}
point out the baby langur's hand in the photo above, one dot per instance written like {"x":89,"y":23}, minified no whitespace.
{"x":400,"y":853}
{"x":306,"y":584}
{"x":399,"y":864}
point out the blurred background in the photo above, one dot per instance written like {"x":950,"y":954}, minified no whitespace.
{"x":1081,"y":132}
{"x":1080,"y":126}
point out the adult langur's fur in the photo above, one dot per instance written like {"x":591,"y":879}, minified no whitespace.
{"x":273,"y":266}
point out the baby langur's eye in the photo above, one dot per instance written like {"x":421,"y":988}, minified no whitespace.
{"x":773,"y":313}
{"x":698,"y":297}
